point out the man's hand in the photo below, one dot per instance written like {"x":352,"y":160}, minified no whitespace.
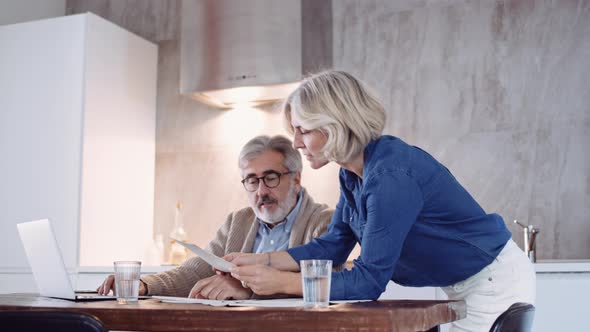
{"x":109,"y":284}
{"x":265,"y":280}
{"x":220,"y":287}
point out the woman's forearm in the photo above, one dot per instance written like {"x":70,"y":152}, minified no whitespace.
{"x":292,"y":285}
{"x":281,"y":260}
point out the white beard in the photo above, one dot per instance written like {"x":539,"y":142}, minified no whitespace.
{"x":281,"y":211}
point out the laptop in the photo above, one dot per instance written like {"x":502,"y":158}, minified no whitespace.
{"x":47,"y":263}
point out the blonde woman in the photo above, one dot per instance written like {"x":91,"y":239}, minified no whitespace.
{"x":415,"y":223}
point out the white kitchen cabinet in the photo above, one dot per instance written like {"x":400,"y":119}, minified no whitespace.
{"x":77,"y":140}
{"x":563,"y":287}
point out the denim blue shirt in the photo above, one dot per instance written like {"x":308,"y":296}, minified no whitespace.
{"x":276,"y":238}
{"x":415,"y":223}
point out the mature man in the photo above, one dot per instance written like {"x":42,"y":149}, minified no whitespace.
{"x":281,"y":215}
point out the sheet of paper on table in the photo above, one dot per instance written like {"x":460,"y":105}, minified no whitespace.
{"x":271,"y":303}
{"x":274,"y":303}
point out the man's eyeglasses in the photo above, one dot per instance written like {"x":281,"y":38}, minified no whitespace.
{"x":271,"y":180}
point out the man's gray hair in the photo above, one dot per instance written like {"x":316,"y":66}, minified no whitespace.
{"x":278,"y":143}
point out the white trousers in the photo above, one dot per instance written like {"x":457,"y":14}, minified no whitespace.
{"x":508,"y":279}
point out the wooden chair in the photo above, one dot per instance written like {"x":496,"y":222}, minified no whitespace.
{"x":33,"y":321}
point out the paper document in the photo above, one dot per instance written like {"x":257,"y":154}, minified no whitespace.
{"x":173,"y":299}
{"x":274,"y":303}
{"x":217,"y":262}
{"x":349,"y":301}
{"x":271,"y":303}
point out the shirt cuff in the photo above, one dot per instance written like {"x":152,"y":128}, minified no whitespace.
{"x":153,"y":286}
{"x":299,"y":253}
{"x":337,"y":289}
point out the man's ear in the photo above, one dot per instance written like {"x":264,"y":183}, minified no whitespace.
{"x":297,"y":179}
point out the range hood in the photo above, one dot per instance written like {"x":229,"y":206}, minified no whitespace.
{"x":251,"y":51}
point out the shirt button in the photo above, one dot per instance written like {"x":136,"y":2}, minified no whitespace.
{"x":272,"y":241}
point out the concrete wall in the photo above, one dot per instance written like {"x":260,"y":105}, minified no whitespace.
{"x":17,"y":11}
{"x":496,"y":90}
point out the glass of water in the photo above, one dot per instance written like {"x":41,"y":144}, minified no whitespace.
{"x":316,"y":275}
{"x":127,"y":281}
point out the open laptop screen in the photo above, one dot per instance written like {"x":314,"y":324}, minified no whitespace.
{"x":46,"y":261}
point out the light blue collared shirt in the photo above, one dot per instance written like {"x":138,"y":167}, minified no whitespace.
{"x":276,"y":238}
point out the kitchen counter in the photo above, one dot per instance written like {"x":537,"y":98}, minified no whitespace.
{"x":109,"y":269}
{"x":563,"y":266}
{"x":542,"y":266}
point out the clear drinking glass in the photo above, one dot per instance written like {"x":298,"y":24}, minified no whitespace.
{"x":127,"y":281}
{"x":316,"y":276}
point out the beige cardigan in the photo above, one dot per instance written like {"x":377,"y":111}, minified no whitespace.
{"x":238,"y":234}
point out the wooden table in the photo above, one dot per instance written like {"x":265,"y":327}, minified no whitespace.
{"x":151,"y":315}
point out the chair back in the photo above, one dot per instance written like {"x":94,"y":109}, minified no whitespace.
{"x":517,"y":318}
{"x":33,"y":321}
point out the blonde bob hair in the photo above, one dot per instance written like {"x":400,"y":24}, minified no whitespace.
{"x":340,"y":106}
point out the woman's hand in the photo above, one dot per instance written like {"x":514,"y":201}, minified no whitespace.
{"x":242,"y":259}
{"x":265,"y":280}
{"x":280,"y":260}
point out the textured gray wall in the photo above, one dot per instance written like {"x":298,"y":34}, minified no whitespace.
{"x":17,"y":11}
{"x":499,"y":91}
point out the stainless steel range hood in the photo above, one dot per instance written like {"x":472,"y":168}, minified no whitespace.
{"x":251,"y":51}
